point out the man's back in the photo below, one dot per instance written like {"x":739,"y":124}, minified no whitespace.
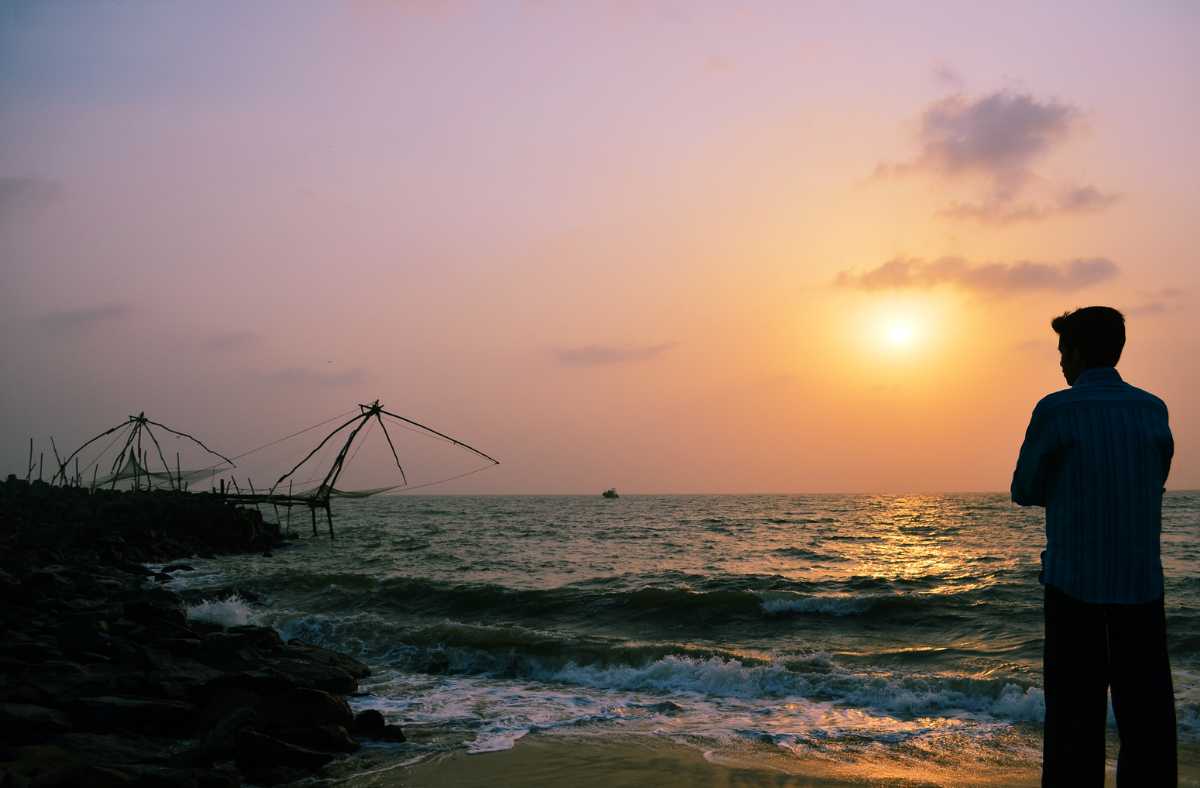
{"x":1096,"y":456}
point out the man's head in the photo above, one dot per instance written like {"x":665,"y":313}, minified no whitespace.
{"x":1089,"y":337}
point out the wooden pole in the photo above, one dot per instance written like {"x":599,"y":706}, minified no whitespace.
{"x":41,"y":461}
{"x":165,"y":465}
{"x":178,"y":474}
{"x":329,"y":517}
{"x":29,"y":467}
{"x":61,"y":465}
{"x":313,"y":511}
{"x":255,"y":494}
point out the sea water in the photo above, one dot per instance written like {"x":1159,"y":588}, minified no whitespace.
{"x":853,"y":628}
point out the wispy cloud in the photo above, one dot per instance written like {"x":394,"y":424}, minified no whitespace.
{"x":994,"y":212}
{"x":309,"y":377}
{"x":998,"y":137}
{"x":995,"y":278}
{"x":1085,"y":199}
{"x":594,"y":355}
{"x":72,"y":321}
{"x":1078,"y":199}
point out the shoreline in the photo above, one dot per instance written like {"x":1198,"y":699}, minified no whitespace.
{"x":105,"y":681}
{"x":594,"y":761}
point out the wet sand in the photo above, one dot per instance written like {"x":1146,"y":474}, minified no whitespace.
{"x":574,"y":761}
{"x":589,"y":761}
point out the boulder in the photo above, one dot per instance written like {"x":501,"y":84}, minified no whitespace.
{"x":303,"y":707}
{"x":369,"y":723}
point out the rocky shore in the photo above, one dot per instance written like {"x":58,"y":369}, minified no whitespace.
{"x":105,"y":682}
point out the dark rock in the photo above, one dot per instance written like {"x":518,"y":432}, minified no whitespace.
{"x":257,"y":751}
{"x":275,"y":775}
{"x":23,"y":722}
{"x":45,"y":766}
{"x":326,"y":738}
{"x":257,"y":637}
{"x":186,"y":646}
{"x":220,"y":743}
{"x":137,"y":714}
{"x":179,"y":568}
{"x":144,"y":776}
{"x":32,"y":651}
{"x":220,"y":702}
{"x":161,"y":605}
{"x":304,"y":707}
{"x":83,"y":635}
{"x":114,"y":750}
{"x":107,"y":777}
{"x":369,"y":723}
{"x":202,"y":628}
{"x":261,"y":682}
{"x":23,"y":693}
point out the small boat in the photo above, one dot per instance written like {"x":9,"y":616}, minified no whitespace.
{"x":611,"y":492}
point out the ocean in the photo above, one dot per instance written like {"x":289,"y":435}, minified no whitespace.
{"x":854,"y":636}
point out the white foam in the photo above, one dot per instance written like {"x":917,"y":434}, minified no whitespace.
{"x":782,"y":603}
{"x":232,"y":611}
{"x":712,"y":676}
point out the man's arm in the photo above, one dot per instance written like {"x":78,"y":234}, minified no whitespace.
{"x":1167,"y":447}
{"x":1033,"y":463}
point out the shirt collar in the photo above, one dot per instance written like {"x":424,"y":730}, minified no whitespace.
{"x":1097,"y":375}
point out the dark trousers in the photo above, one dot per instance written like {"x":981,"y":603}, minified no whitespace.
{"x":1090,"y":648}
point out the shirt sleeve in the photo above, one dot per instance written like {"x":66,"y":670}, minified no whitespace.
{"x":1034,"y":462}
{"x":1166,"y":447}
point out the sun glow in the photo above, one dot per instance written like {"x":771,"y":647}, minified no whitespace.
{"x":900,"y":334}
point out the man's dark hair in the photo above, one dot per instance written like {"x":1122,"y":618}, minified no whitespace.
{"x":1097,"y":332}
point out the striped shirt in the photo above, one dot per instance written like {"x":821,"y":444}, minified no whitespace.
{"x":1096,"y":456}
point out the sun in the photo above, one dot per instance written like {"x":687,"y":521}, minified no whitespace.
{"x":900,"y":334}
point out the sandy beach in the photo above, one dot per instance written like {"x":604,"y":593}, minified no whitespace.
{"x":588,"y":761}
{"x":591,"y":762}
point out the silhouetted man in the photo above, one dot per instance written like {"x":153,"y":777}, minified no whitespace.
{"x":1096,"y":456}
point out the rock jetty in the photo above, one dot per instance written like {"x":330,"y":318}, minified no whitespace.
{"x":105,"y":682}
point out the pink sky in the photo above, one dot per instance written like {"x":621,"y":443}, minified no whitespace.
{"x":652,"y":245}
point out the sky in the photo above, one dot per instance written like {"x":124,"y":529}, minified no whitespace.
{"x":662,"y":246}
